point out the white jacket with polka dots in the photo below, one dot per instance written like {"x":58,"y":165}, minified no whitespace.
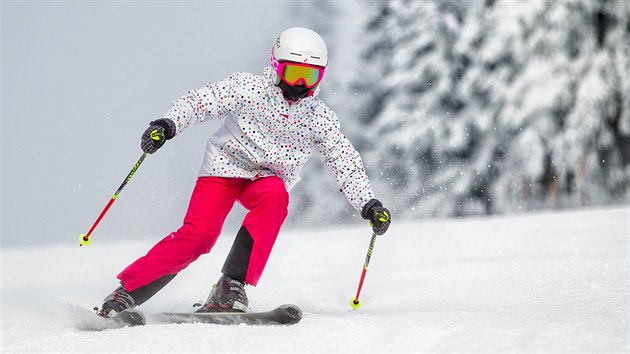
{"x":262,"y":135}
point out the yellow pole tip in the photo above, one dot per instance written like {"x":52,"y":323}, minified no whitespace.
{"x":84,"y":240}
{"x":355,"y":304}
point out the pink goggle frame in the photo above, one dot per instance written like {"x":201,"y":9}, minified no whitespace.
{"x":293,"y":72}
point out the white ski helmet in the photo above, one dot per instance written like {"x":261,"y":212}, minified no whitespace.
{"x":302,"y":45}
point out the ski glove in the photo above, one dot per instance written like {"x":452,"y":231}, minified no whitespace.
{"x":379,"y":217}
{"x":156,"y":135}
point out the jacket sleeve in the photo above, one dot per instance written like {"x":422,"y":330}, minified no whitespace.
{"x":341,"y":158}
{"x":214,"y":101}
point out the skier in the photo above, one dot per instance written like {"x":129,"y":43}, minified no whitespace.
{"x":271,"y":124}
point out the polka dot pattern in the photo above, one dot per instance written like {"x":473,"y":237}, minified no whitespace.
{"x":263,"y":135}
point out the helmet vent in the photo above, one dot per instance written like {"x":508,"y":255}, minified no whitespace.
{"x":298,"y":54}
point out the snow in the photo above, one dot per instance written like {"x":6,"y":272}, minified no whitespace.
{"x":537,"y":282}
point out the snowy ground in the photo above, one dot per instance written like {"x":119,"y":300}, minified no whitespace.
{"x":543,"y":282}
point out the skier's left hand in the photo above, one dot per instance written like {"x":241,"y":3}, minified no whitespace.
{"x":379,"y":216}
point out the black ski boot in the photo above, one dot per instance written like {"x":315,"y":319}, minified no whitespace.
{"x":228,"y":295}
{"x":116,"y":302}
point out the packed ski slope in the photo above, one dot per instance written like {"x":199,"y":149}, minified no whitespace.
{"x":539,"y":282}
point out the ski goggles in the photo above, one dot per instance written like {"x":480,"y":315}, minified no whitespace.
{"x":293,"y":73}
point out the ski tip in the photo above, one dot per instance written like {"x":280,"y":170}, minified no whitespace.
{"x":293,"y":314}
{"x":293,"y":309}
{"x":126,"y":318}
{"x":131,"y":317}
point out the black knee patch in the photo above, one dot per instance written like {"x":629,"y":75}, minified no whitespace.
{"x":237,"y":261}
{"x":144,"y":293}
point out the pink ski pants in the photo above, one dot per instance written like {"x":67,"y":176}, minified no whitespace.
{"x":266,"y":200}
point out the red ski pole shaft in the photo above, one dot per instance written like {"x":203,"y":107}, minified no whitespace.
{"x":84,"y":239}
{"x":355,"y":303}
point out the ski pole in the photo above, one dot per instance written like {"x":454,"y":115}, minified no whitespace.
{"x":84,"y":239}
{"x":355,"y":303}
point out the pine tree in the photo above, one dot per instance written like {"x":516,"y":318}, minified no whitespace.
{"x":555,"y":82}
{"x":470,"y":107}
{"x":498,"y":106}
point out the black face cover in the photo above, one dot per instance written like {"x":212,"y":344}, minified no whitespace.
{"x":293,"y":93}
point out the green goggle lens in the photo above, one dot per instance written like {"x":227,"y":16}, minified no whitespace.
{"x":295,"y":73}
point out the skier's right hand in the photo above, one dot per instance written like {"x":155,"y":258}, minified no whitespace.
{"x":156,"y":135}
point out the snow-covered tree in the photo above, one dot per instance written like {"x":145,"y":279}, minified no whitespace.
{"x":469,"y":107}
{"x":550,"y":79}
{"x":492,"y":106}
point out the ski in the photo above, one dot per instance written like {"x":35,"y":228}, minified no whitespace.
{"x":282,"y":315}
{"x":130,"y":317}
{"x":127,"y":318}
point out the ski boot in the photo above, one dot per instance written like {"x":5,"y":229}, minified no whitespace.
{"x":228,"y":295}
{"x":116,"y":302}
